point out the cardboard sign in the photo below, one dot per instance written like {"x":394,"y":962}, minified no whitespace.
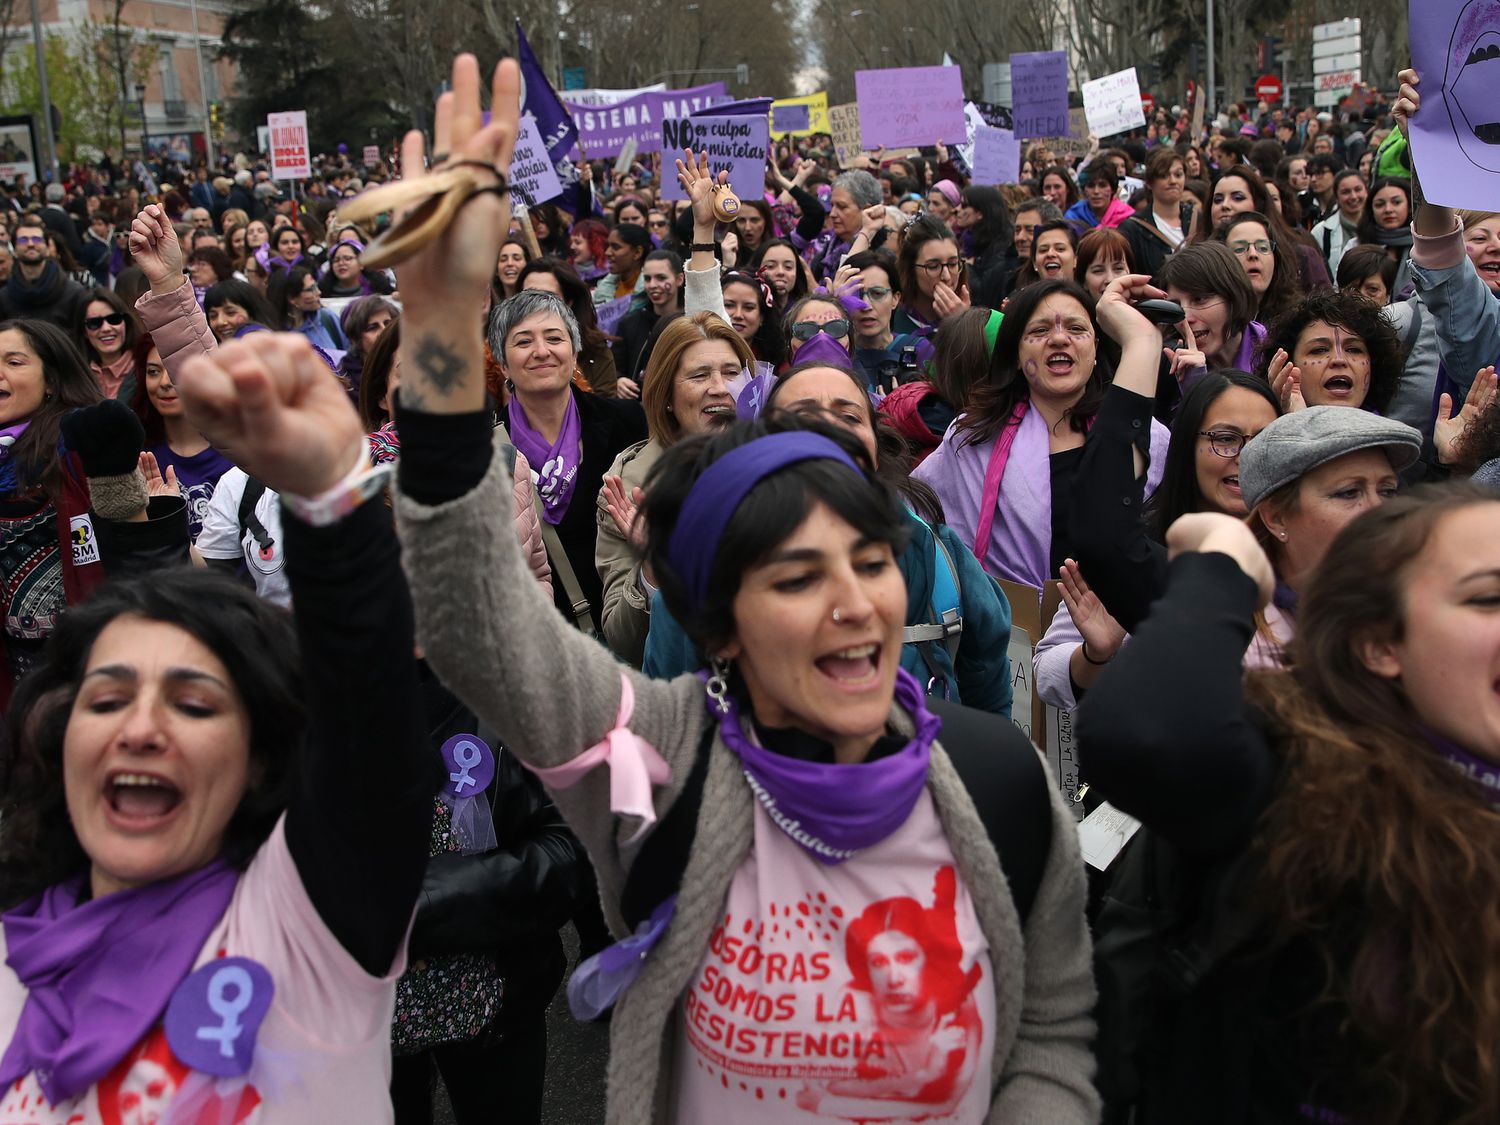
{"x":1112,"y":104}
{"x":843,"y":124}
{"x":290,"y":159}
{"x":1030,"y":614}
{"x":800,"y":117}
{"x":737,"y":143}
{"x":531,"y":171}
{"x":1455,"y":136}
{"x":910,"y":106}
{"x":997,"y":156}
{"x":1039,"y":93}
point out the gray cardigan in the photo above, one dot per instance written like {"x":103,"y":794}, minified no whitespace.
{"x":550,"y":693}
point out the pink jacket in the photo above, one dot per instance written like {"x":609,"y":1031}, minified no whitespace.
{"x":180,"y":331}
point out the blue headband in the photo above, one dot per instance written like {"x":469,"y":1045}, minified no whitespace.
{"x":712,"y":500}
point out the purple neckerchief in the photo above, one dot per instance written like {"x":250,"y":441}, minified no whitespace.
{"x":98,"y":975}
{"x":1285,"y":599}
{"x":833,"y":811}
{"x":601,"y":980}
{"x":1250,"y":341}
{"x":1476,"y":769}
{"x":9,"y":436}
{"x":826,"y":349}
{"x":554,"y":465}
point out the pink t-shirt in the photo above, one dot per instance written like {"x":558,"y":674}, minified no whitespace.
{"x":323,"y":1052}
{"x":856,"y":992}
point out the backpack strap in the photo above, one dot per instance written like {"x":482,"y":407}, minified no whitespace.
{"x":1005,"y":778}
{"x":945,"y":621}
{"x":249,"y":522}
{"x":583,"y":616}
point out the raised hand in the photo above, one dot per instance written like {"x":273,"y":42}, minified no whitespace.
{"x":156,"y":483}
{"x":1118,"y":315}
{"x":871,"y":219}
{"x":1449,"y":429}
{"x":622,"y":509}
{"x":1100,"y":631}
{"x":154,"y":246}
{"x":698,"y":180}
{"x":1408,"y":101}
{"x":1286,"y":382}
{"x":947,"y":301}
{"x":1207,"y":532}
{"x":277,"y":410}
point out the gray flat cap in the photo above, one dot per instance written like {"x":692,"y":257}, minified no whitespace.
{"x":1298,"y":442}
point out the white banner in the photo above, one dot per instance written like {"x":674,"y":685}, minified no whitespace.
{"x":1112,"y":104}
{"x":290,"y":158}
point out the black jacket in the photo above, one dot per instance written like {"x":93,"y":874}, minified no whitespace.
{"x":510,"y":901}
{"x":1148,"y":246}
{"x":609,"y":425}
{"x":52,"y":297}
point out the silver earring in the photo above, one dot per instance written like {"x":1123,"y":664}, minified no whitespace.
{"x":837,"y":615}
{"x":1283,"y":537}
{"x":717,"y":685}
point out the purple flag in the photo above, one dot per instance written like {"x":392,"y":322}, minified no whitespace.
{"x":539,"y":99}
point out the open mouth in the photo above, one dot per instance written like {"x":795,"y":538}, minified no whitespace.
{"x":141,"y":799}
{"x":1051,"y":266}
{"x":1060,"y":363}
{"x":720,"y":413}
{"x":1232,"y":484}
{"x":1340,"y":386}
{"x":856,"y":666}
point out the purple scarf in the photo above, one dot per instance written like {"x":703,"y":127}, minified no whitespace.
{"x":555,"y":466}
{"x":834,"y":811}
{"x":99,"y":975}
{"x":1482,"y":773}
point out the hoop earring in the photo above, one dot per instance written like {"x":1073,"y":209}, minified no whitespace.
{"x":717,"y":685}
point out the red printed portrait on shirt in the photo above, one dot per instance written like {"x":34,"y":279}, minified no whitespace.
{"x":150,"y":1086}
{"x":910,"y":961}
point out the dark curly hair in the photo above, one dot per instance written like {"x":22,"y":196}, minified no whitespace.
{"x":773,"y":509}
{"x":1346,"y":310}
{"x":256,"y":643}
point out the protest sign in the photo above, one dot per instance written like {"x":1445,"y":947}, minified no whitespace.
{"x":597,"y":98}
{"x":1039,"y":93}
{"x":909,"y":106}
{"x":997,"y":156}
{"x":681,"y":103}
{"x":604,"y":130}
{"x":290,"y":159}
{"x":611,"y":313}
{"x":371,"y":155}
{"x":843,"y":124}
{"x":799,"y":117}
{"x":17,"y":150}
{"x":531,"y":171}
{"x":1112,"y":104}
{"x":737,"y":143}
{"x":1455,"y":136}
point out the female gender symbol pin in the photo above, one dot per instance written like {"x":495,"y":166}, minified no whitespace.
{"x":470,"y":764}
{"x":215,"y":1015}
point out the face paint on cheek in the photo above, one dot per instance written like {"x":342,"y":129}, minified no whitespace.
{"x":1473,"y":72}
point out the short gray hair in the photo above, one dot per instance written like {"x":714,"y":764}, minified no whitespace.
{"x":862,"y":187}
{"x":523,"y":306}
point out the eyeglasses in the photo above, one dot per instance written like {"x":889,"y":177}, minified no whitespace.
{"x":309,"y":289}
{"x":345,"y":260}
{"x":94,"y":323}
{"x":1261,"y":246}
{"x":875,"y":293}
{"x":952,"y":265}
{"x":659,"y":223}
{"x":30,"y":239}
{"x":1224,"y":443}
{"x":805,"y":330}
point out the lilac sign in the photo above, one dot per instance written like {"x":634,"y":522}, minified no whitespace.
{"x":791,"y":118}
{"x":604,"y":130}
{"x":215,"y":1014}
{"x":737,"y":143}
{"x":997,"y":156}
{"x":907,"y":107}
{"x":470,"y":764}
{"x":1039,"y":93}
{"x":611,"y":313}
{"x":1455,"y":136}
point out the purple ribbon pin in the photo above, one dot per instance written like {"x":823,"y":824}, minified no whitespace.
{"x":216,"y":1013}
{"x":470,"y":763}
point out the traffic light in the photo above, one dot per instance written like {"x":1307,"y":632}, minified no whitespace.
{"x":1270,"y":54}
{"x":216,"y":119}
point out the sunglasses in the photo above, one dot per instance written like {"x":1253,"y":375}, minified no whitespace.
{"x":94,"y":323}
{"x":30,"y":239}
{"x":805,"y":330}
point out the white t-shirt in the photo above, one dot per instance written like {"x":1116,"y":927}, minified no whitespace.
{"x":221,"y":538}
{"x":323,"y":1051}
{"x":1172,"y":234}
{"x":861,"y":991}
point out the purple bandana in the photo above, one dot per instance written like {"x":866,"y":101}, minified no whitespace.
{"x":833,"y":812}
{"x":99,"y":975}
{"x":554,"y":466}
{"x":1482,"y":773}
{"x":715,"y":495}
{"x":823,"y":348}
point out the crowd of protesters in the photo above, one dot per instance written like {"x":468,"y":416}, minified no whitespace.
{"x":371,"y":616}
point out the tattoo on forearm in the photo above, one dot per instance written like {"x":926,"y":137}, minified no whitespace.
{"x":1418,"y":200}
{"x":441,"y":366}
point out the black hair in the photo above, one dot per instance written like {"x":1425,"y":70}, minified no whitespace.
{"x":879,"y":257}
{"x":68,"y":383}
{"x":992,"y":400}
{"x":1286,"y":284}
{"x":257,"y":645}
{"x":284,"y":288}
{"x":800,"y":287}
{"x":1178,"y":493}
{"x":1361,"y":262}
{"x":108,"y":297}
{"x":994,"y":227}
{"x":768,"y":343}
{"x":771,"y":511}
{"x":1366,"y":230}
{"x":246,"y":296}
{"x":1354,"y":312}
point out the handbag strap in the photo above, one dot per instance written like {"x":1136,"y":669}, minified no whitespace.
{"x":562,"y":569}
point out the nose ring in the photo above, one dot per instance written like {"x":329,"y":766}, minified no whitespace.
{"x":837,"y":615}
